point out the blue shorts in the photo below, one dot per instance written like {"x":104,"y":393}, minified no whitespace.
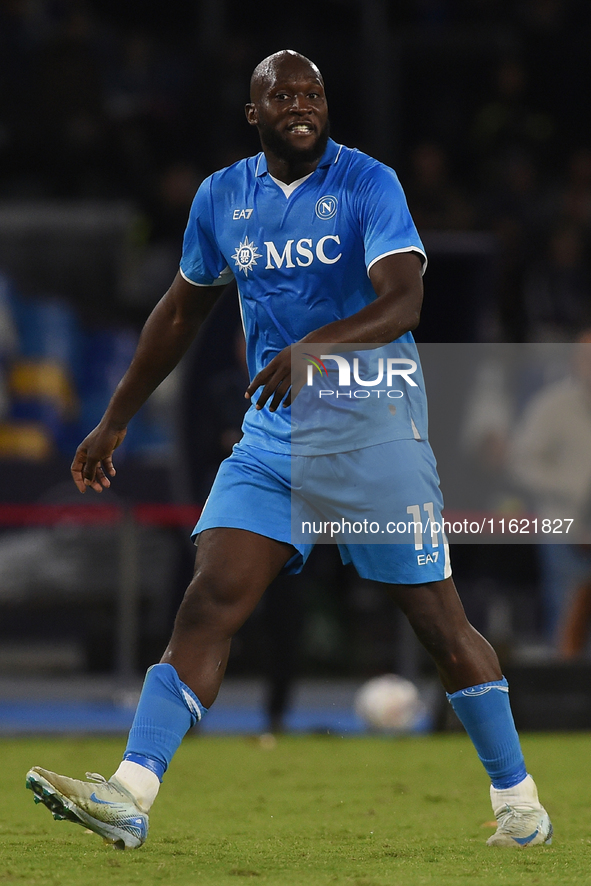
{"x":392,"y":486}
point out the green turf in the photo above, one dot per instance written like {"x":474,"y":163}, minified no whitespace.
{"x":312,"y":810}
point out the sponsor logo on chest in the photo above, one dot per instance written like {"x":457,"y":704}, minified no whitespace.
{"x":290,"y":254}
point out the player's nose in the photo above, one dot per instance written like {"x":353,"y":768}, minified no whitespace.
{"x":301,"y":104}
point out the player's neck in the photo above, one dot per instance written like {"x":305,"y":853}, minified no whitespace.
{"x":287,"y":171}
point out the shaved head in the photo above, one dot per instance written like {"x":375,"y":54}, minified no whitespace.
{"x":266,"y":72}
{"x":288,"y":107}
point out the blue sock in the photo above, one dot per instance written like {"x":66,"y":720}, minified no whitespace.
{"x":166,"y":711}
{"x":485,"y":713}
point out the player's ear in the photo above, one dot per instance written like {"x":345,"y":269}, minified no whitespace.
{"x":251,"y":113}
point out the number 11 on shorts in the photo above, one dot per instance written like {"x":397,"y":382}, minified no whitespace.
{"x":415,"y":512}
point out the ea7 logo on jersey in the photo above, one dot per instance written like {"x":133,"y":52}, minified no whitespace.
{"x":241,"y":213}
{"x":326,"y":207}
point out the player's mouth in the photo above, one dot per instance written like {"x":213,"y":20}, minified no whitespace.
{"x":301,"y":128}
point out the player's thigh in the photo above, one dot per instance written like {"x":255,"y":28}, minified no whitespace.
{"x":239,"y":561}
{"x":387,"y":493}
{"x":252,"y":492}
{"x":397,"y":488}
{"x":233,"y":568}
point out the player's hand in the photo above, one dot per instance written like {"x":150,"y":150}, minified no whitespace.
{"x":275,"y":380}
{"x":93,"y":462}
{"x":278,"y":382}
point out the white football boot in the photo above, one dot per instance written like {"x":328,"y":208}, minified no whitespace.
{"x":104,"y":807}
{"x":522,"y":820}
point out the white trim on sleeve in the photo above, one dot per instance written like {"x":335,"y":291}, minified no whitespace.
{"x":225,"y":277}
{"x":394,"y":251}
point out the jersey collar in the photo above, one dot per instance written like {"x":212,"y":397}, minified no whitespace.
{"x":329,"y":157}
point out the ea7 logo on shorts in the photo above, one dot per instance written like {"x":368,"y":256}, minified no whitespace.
{"x":423,"y":559}
{"x":326,"y":207}
{"x":241,"y":213}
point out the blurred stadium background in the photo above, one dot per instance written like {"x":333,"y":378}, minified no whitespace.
{"x":110,"y":116}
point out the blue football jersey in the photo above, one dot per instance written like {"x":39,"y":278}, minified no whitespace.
{"x":301,"y":257}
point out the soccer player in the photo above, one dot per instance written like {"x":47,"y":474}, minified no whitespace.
{"x":324,"y":250}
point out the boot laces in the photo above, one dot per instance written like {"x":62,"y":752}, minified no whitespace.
{"x":96,"y":777}
{"x":511,"y":819}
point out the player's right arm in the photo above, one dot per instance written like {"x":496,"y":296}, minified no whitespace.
{"x":168,"y":332}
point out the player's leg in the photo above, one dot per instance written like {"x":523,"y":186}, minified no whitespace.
{"x":420,"y":575}
{"x":244,"y":542}
{"x":479,"y":694}
{"x":233,"y":569}
{"x":462,"y":656}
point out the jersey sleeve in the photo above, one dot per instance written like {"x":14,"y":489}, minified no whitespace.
{"x":386,"y":223}
{"x":202,"y":262}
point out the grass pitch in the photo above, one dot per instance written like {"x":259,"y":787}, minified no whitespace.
{"x":309,"y":811}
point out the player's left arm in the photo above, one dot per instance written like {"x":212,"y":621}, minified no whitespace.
{"x":398,"y":284}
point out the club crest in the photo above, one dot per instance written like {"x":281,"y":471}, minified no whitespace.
{"x":326,"y":207}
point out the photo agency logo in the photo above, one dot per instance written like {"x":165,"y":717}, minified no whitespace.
{"x":388,"y":372}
